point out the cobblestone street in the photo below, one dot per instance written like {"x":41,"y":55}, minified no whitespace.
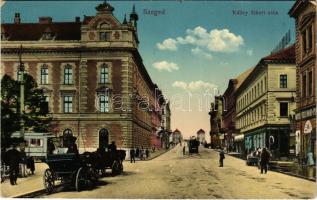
{"x":173,"y":175}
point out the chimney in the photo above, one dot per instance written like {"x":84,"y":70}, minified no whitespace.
{"x":17,"y":19}
{"x":77,"y":19}
{"x":45,"y":20}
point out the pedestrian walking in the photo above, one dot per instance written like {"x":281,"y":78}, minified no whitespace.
{"x":13,"y":158}
{"x":147,"y":153}
{"x":132,"y":155}
{"x":141,"y":153}
{"x":221,"y":157}
{"x":265,"y":158}
{"x":184,"y":150}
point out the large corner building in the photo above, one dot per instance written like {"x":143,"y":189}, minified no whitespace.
{"x":95,"y":83}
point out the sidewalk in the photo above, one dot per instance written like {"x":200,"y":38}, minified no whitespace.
{"x":34,"y":183}
{"x":26,"y":185}
{"x":275,"y":166}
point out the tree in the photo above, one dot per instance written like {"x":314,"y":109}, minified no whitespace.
{"x":34,"y":117}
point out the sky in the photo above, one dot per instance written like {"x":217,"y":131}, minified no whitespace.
{"x":190,"y":48}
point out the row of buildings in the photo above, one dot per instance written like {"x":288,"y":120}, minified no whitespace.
{"x":96,"y":85}
{"x":273,"y":104}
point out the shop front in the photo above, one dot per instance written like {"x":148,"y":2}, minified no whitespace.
{"x":274,"y":138}
{"x":239,"y":144}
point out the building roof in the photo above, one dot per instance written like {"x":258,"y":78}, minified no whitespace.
{"x":200,"y":131}
{"x":35,"y":31}
{"x":242,"y":77}
{"x":176,"y":131}
{"x":287,"y":54}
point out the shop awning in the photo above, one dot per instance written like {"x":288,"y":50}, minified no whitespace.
{"x":238,"y":137}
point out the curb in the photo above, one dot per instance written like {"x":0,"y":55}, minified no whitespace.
{"x":151,"y":158}
{"x":30,"y":194}
{"x":278,"y":171}
{"x":161,"y":153}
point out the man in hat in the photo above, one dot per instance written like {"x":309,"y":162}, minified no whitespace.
{"x":13,"y":158}
{"x":265,"y":158}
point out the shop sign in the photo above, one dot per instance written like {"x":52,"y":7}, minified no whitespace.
{"x":308,"y":127}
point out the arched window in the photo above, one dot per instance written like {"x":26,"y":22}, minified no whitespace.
{"x":67,"y":137}
{"x":103,"y":138}
{"x":104,"y":25}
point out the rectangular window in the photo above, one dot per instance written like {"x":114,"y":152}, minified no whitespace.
{"x":265,"y":85}
{"x":310,"y":38}
{"x":44,"y":75}
{"x":304,"y":86}
{"x":304,"y":41}
{"x":104,"y":36}
{"x":104,"y":74}
{"x":310,"y":83}
{"x":104,"y":103}
{"x":68,"y":104}
{"x":36,"y":143}
{"x":283,"y":81}
{"x":68,"y":75}
{"x":284,"y":109}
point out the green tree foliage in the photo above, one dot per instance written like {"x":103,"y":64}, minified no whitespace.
{"x":34,"y":117}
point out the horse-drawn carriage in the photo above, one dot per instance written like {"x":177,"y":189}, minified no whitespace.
{"x":103,"y":160}
{"x":80,"y":170}
{"x":71,"y":169}
{"x":193,"y":145}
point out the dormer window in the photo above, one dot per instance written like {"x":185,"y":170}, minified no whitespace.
{"x":48,"y":34}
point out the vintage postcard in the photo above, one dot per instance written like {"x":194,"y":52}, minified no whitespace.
{"x":166,"y":99}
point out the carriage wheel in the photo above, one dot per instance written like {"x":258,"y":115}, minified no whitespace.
{"x":82,"y":179}
{"x":48,"y":180}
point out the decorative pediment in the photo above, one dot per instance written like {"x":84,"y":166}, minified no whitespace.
{"x":105,"y":21}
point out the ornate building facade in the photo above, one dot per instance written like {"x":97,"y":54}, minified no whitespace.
{"x":304,"y":13}
{"x":95,"y":82}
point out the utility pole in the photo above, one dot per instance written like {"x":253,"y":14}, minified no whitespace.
{"x":21,"y":80}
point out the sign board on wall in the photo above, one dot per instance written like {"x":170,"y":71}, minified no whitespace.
{"x":308,"y":127}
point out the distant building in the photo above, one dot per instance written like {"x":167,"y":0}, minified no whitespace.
{"x":304,"y":13}
{"x":264,"y":102}
{"x":176,"y":137}
{"x":215,"y":122}
{"x":201,"y":136}
{"x":165,"y":125}
{"x":232,"y":136}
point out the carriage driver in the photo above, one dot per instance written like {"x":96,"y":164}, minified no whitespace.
{"x":72,"y":147}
